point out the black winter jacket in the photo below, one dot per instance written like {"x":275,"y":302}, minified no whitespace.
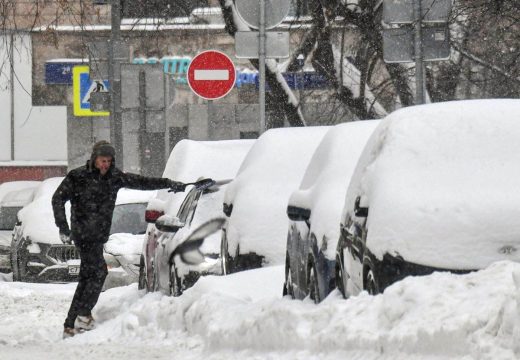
{"x":92,"y":198}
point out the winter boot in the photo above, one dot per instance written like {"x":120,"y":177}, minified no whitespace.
{"x":69,"y":332}
{"x":85,"y":322}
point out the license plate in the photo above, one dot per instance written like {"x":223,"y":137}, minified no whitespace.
{"x":73,"y":270}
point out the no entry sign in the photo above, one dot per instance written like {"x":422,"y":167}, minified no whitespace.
{"x":211,"y":74}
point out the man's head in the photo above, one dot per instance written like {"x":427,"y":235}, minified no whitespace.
{"x":103,"y":155}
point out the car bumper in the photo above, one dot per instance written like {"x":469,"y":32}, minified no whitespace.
{"x":5,"y":259}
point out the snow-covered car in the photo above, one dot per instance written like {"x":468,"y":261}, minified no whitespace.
{"x":37,"y":254}
{"x":255,"y":202}
{"x":189,"y":161}
{"x":435,"y":189}
{"x":13,"y":196}
{"x":314,"y":211}
{"x":123,"y":249}
{"x":202,"y":203}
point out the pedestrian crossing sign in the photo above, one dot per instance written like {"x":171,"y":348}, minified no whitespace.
{"x":82,"y":87}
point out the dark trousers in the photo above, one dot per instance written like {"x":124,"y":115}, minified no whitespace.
{"x":92,"y":274}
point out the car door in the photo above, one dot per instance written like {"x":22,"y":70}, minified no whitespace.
{"x":162,"y":257}
{"x":354,"y":235}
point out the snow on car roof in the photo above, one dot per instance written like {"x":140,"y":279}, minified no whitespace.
{"x":271,"y":170}
{"x":18,"y":198}
{"x":324,"y":184}
{"x":130,"y":196}
{"x":441,"y":184}
{"x":10,"y":186}
{"x":191,"y":159}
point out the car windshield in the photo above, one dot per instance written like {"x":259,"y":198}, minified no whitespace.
{"x":129,"y":218}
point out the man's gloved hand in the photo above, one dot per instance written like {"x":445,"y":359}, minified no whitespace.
{"x":65,"y":237}
{"x":176,"y":186}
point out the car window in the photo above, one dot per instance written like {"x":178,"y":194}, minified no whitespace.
{"x":187,"y":205}
{"x":8,"y":217}
{"x":129,"y":218}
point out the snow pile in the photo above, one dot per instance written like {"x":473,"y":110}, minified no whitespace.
{"x":15,"y":186}
{"x":324,"y":184}
{"x":441,"y":316}
{"x":37,"y":217}
{"x":441,"y":181}
{"x":259,"y":194}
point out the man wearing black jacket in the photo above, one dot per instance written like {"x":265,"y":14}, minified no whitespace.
{"x":92,"y":192}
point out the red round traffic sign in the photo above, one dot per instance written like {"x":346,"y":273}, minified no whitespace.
{"x":211,"y":74}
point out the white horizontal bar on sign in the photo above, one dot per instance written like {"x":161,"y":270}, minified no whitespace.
{"x":211,"y":74}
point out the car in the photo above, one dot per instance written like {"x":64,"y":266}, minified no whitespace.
{"x":37,"y":254}
{"x":13,"y":196}
{"x":171,"y":275}
{"x":189,"y":161}
{"x":255,"y":201}
{"x":435,"y":189}
{"x":122,"y":251}
{"x":314,"y":211}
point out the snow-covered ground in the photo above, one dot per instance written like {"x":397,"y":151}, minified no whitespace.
{"x":243,"y":316}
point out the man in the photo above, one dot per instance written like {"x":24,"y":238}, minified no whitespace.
{"x":92,"y":192}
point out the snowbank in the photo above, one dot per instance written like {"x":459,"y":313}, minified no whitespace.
{"x":242,"y":316}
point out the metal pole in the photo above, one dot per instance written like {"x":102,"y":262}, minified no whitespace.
{"x":142,"y":118}
{"x":11,"y":86}
{"x":114,"y":79}
{"x":419,"y":74}
{"x":261,"y":65}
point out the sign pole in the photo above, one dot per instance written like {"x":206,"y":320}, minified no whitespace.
{"x":114,"y":75}
{"x":261,"y":65}
{"x":419,"y":74}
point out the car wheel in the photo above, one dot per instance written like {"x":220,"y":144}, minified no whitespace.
{"x":340,"y":282}
{"x":288,"y":285}
{"x":142,"y":283}
{"x":175,"y":282}
{"x":21,"y":264}
{"x":226,"y":263}
{"x":371,"y":283}
{"x":312,"y":283}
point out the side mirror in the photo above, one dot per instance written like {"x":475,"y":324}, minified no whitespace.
{"x":168,"y":223}
{"x":296,"y":213}
{"x":189,"y":250}
{"x":358,"y":210}
{"x":151,"y":216}
{"x":227,"y":208}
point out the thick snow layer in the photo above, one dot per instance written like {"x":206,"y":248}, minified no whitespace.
{"x":441,"y":183}
{"x":324,"y":184}
{"x":18,"y":198}
{"x":124,"y":244}
{"x":259,"y":194}
{"x":130,"y":196}
{"x":7,"y":187}
{"x":243,"y":316}
{"x":37,"y":217}
{"x":192,"y":159}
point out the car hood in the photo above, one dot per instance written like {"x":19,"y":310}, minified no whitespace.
{"x":124,"y":244}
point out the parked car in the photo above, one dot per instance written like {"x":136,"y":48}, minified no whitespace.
{"x":37,"y":254}
{"x":255,"y":201}
{"x":436,"y":189}
{"x":189,"y":161}
{"x":314,"y":211}
{"x":13,"y":196}
{"x":171,"y":275}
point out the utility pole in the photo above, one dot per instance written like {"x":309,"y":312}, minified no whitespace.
{"x":261,"y":65}
{"x":114,"y":79}
{"x":418,"y":51}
